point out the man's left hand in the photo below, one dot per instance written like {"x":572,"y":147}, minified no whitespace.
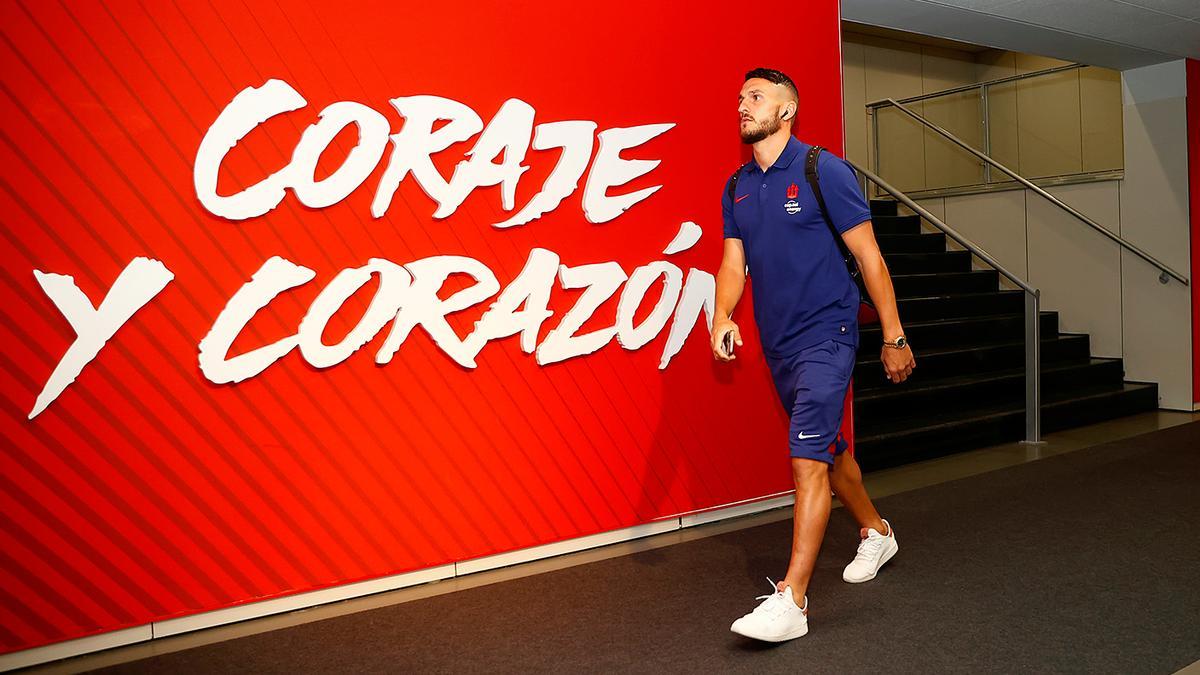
{"x":898,"y":363}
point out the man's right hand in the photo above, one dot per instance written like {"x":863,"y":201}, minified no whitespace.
{"x":720,"y":328}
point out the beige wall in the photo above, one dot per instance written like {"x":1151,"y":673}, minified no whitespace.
{"x":1077,"y":269}
{"x":875,"y":68}
{"x":1101,"y":118}
{"x":994,"y":221}
{"x":1060,"y":124}
{"x":854,"y":100}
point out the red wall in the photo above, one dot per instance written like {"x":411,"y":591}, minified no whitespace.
{"x":145,"y":491}
{"x":1193,"y":132}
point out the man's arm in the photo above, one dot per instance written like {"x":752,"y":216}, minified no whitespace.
{"x":731,"y":281}
{"x":860,"y":239}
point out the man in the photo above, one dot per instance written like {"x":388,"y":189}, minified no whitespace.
{"x":805,"y":305}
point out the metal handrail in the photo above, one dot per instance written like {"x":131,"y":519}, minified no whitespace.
{"x":1166,"y":270}
{"x":1033,"y":303}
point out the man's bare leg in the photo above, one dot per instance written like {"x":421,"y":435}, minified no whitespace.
{"x":846,"y":480}
{"x":808,"y":523}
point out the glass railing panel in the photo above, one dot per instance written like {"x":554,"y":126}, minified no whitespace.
{"x":946,"y":164}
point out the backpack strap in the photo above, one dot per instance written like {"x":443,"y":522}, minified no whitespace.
{"x":810,"y":174}
{"x":814,"y":182}
{"x":732,"y":186}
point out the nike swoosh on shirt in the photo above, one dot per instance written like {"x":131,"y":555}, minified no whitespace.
{"x":740,"y":198}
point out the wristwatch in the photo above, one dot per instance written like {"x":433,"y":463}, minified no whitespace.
{"x":900,"y":343}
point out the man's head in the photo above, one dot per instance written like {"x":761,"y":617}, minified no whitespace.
{"x":766,"y":104}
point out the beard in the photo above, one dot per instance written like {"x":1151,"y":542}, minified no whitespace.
{"x":755,"y":132}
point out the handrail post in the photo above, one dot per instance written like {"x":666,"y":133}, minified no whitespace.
{"x":1033,"y":367}
{"x":875,"y":135}
{"x":987,"y":133}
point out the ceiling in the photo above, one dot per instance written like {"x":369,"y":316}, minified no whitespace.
{"x":851,"y":28}
{"x":1119,"y":34}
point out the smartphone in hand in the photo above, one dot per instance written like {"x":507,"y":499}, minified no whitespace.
{"x":727,"y":343}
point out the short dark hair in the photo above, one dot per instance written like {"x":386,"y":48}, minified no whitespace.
{"x":775,"y":77}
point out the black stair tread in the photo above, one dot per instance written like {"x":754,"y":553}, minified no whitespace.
{"x":913,"y":257}
{"x":874,"y":328}
{"x":927,"y":275}
{"x":955,"y":349}
{"x":909,"y":284}
{"x":959,"y":380}
{"x":947,"y":296}
{"x":942,"y":306}
{"x":883,"y":207}
{"x":958,"y":296}
{"x":949,"y":419}
{"x":887,"y":221}
{"x":925,"y":254}
{"x":916,"y":235}
{"x":930,"y":242}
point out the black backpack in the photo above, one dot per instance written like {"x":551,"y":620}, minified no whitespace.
{"x":810,"y":173}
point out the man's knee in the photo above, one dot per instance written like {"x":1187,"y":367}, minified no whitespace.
{"x":844,"y":469}
{"x":805,"y":470}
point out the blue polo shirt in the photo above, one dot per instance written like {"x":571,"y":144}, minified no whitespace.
{"x":802,"y":293}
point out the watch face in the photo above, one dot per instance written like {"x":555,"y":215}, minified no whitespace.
{"x":901,"y":342}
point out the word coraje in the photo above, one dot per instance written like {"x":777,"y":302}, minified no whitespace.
{"x":507,"y":135}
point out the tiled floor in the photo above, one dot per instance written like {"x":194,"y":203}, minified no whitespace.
{"x":879,"y":484}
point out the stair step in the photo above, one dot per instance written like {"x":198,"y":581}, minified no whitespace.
{"x":945,"y":283}
{"x":969,"y":336}
{"x":961,"y":305}
{"x":912,"y":243}
{"x":965,"y":331}
{"x":957,"y":430}
{"x":935,"y":363}
{"x":896,"y":224}
{"x":883,"y":207}
{"x":928,"y":263}
{"x":909,"y":399}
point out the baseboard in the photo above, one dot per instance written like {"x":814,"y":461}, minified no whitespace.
{"x":69,"y":648}
{"x":740,"y":509}
{"x":305,"y":600}
{"x":564,"y":547}
{"x":289,"y":603}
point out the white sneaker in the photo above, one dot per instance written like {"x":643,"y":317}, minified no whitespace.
{"x":873,"y":551}
{"x":776,"y":619}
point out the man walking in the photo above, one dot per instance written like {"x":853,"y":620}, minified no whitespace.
{"x":806,"y":306}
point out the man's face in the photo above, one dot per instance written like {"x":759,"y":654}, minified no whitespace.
{"x":759,"y":105}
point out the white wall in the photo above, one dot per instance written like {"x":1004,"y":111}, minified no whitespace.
{"x":1154,"y":216}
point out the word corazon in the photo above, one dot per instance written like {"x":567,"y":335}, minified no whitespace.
{"x":407,"y":296}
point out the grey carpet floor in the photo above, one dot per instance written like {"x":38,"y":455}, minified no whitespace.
{"x":1084,"y":562}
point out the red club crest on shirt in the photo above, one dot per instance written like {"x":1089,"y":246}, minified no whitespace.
{"x":793,"y":191}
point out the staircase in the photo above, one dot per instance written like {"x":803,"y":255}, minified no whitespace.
{"x":968,"y":389}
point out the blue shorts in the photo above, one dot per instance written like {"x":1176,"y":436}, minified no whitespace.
{"x":812,"y":387}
